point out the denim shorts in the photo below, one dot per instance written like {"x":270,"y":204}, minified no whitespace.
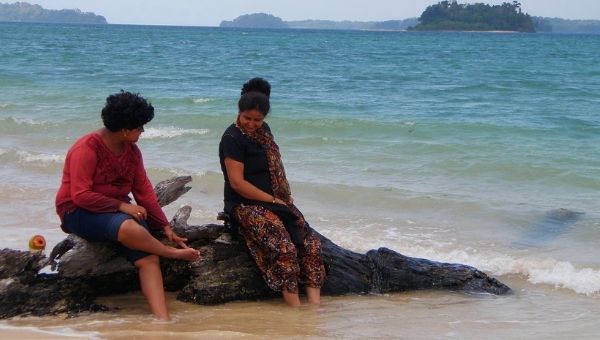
{"x":102,"y":227}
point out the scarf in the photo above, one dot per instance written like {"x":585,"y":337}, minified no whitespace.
{"x":279,"y":183}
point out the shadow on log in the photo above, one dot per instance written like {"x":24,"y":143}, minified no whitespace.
{"x":225,"y":272}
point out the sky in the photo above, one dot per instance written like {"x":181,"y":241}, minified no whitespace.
{"x":211,"y":12}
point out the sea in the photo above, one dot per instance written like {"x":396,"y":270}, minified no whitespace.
{"x":481,"y":148}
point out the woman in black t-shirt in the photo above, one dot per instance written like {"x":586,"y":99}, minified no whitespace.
{"x":257,"y":196}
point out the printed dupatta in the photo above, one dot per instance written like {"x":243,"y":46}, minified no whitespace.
{"x":279,"y":182}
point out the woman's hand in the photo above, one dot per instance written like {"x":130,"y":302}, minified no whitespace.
{"x":279,"y":201}
{"x":174,"y":237}
{"x":136,"y":211}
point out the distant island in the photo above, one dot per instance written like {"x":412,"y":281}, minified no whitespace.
{"x":263,"y":20}
{"x":257,"y":20}
{"x":393,"y":25}
{"x":26,"y":12}
{"x":505,"y":17}
{"x":558,"y":25}
{"x":452,"y":16}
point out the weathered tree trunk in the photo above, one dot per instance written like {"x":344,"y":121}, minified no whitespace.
{"x":225,"y":272}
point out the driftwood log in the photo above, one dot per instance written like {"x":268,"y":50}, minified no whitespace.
{"x":225,"y":272}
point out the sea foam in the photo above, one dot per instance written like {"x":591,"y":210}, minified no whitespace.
{"x":201,"y":100}
{"x":560,"y":274}
{"x":29,"y":121}
{"x":171,"y":132}
{"x":41,"y":159}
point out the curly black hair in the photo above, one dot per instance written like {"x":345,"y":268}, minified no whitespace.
{"x":254,"y":100}
{"x":126,"y":110}
{"x":257,"y":85}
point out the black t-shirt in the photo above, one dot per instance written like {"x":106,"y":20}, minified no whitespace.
{"x":235,"y":145}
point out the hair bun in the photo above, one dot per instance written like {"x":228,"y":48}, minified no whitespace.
{"x":257,"y":84}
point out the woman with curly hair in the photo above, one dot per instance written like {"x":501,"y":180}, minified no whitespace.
{"x":258,"y":198}
{"x":101,"y":169}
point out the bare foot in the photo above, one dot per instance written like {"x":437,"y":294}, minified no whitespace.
{"x":187,"y":254}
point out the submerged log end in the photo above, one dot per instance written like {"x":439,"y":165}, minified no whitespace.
{"x":394,"y":272}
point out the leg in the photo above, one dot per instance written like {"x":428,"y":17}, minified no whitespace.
{"x":273,"y":251}
{"x":313,"y":295}
{"x":152,"y":285}
{"x":134,"y":236}
{"x":292,"y":299}
{"x":313,"y":269}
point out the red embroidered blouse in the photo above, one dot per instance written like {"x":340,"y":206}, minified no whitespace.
{"x":96,"y":179}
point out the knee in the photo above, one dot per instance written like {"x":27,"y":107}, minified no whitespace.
{"x":129,"y":228}
{"x":312,"y":245}
{"x":286,"y":250}
{"x":129,"y":224}
{"x":148,"y":261}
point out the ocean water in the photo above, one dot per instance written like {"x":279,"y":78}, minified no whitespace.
{"x":478,"y":148}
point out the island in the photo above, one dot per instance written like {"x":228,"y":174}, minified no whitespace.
{"x":388,"y":25}
{"x":264,"y":20}
{"x":558,"y":25}
{"x":452,"y":16}
{"x":26,"y":12}
{"x":256,"y":20}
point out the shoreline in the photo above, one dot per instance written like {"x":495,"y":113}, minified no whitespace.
{"x":28,"y":332}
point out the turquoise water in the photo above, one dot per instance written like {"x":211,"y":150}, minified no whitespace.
{"x":451,"y":146}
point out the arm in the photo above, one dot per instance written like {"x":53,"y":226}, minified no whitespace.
{"x":144,"y":195}
{"x":235,"y":175}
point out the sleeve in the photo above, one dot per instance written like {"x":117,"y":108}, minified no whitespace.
{"x":232,"y":148}
{"x":82,"y":167}
{"x":144,"y":195}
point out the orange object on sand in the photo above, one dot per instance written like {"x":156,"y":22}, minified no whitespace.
{"x":37,"y":243}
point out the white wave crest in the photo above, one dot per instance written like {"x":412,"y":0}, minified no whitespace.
{"x":560,"y":274}
{"x":4,"y":105}
{"x":43,"y":160}
{"x":564,"y":274}
{"x":201,"y":100}
{"x":171,"y":132}
{"x":28,"y":121}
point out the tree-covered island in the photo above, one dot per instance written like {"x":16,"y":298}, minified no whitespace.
{"x":26,"y":12}
{"x":264,"y":20}
{"x":452,"y":16}
{"x":255,"y":20}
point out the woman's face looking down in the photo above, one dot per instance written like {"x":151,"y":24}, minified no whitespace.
{"x":250,"y":120}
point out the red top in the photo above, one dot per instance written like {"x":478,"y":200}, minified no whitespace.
{"x":96,"y":179}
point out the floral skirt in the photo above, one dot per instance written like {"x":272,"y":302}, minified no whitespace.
{"x":282,"y":264}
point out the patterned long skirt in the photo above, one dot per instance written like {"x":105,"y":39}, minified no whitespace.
{"x":282,"y":265}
